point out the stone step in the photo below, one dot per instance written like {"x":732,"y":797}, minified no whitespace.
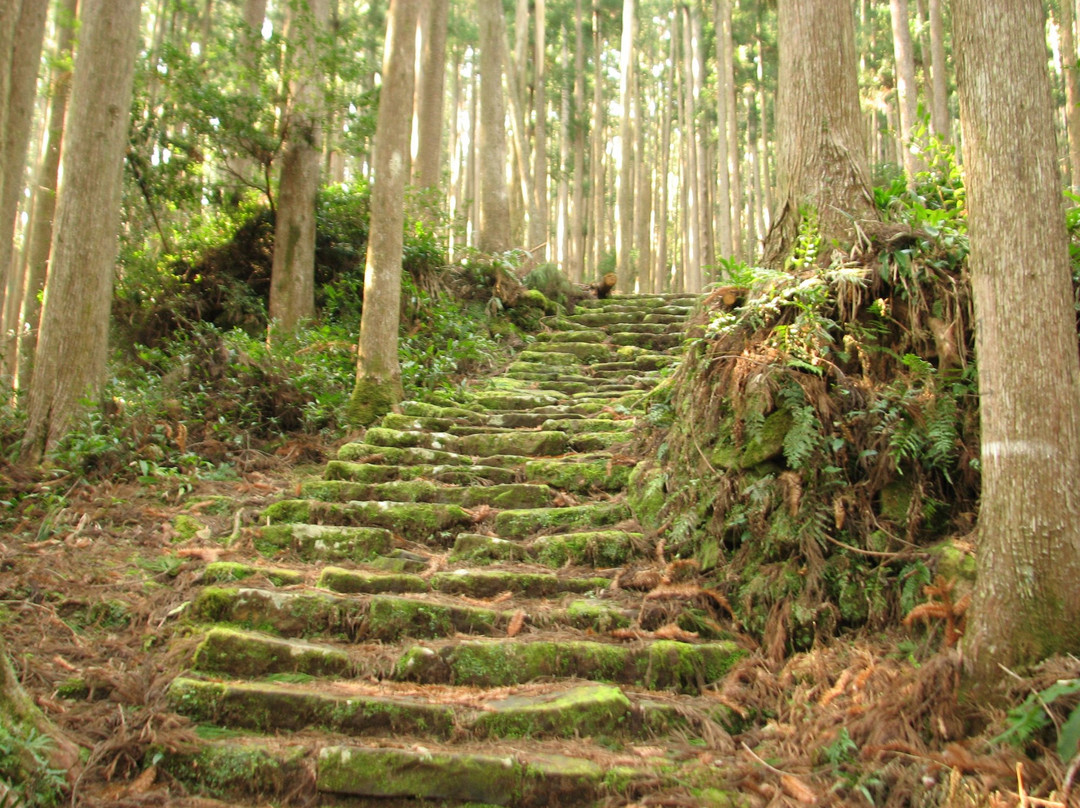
{"x":418,"y":521}
{"x":595,"y":335}
{"x":505,"y":495}
{"x":526,"y":522}
{"x":657,"y":665}
{"x":358,"y":772}
{"x":373,"y":473}
{"x":467,"y":582}
{"x":655,"y":342}
{"x":514,"y":442}
{"x":581,"y":474}
{"x":583,"y":352}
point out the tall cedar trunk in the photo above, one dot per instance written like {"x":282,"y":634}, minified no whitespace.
{"x":707,"y":249}
{"x":692,"y":232}
{"x":453,"y":194}
{"x":624,"y":233}
{"x":734,"y":154}
{"x":431,"y":91}
{"x":596,"y":164}
{"x":661,"y":273}
{"x":562,"y":196}
{"x":40,"y":226}
{"x":1026,"y":603}
{"x":1072,"y":90}
{"x":907,"y":94}
{"x":378,"y":371}
{"x":494,"y":236}
{"x":821,"y":154}
{"x":73,"y":342}
{"x":642,"y":195}
{"x":722,"y":23}
{"x":753,"y":181}
{"x":940,"y":110}
{"x":578,"y":218}
{"x":516,"y":67}
{"x":22,"y":68}
{"x":333,"y":164}
{"x":538,"y":217}
{"x":471,"y":182}
{"x":292,"y":280}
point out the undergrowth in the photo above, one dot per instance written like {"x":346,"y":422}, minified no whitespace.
{"x":824,"y":445}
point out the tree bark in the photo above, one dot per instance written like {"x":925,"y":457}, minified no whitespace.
{"x":624,"y":177}
{"x":431,"y":91}
{"x":661,"y":273}
{"x":292,"y":280}
{"x":691,"y":194}
{"x":596,"y":164}
{"x":23,"y":61}
{"x":907,"y":94}
{"x":722,"y":23}
{"x":538,"y":216}
{"x":40,"y":226}
{"x":820,"y":147}
{"x":563,"y":244}
{"x":1026,"y":603}
{"x":578,"y":205}
{"x":642,"y":195}
{"x":73,"y":342}
{"x":378,"y":371}
{"x":494,"y":234}
{"x":1072,"y":90}
{"x":940,"y":111}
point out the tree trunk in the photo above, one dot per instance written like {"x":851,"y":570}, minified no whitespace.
{"x":494,"y":234}
{"x":907,"y":94}
{"x":538,"y":217}
{"x":661,"y":274}
{"x":820,"y":147}
{"x":73,"y":342}
{"x":692,"y":233}
{"x":642,"y":195}
{"x":734,"y":154}
{"x":21,"y":65}
{"x":292,"y":280}
{"x":1026,"y":603}
{"x":431,"y":90}
{"x":378,"y":371}
{"x":40,"y":227}
{"x":940,"y":112}
{"x":563,"y":245}
{"x":624,"y":177}
{"x":722,"y":23}
{"x":1072,"y":90}
{"x":579,"y":217}
{"x":596,"y":165}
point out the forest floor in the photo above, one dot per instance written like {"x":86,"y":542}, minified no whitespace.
{"x":93,"y":575}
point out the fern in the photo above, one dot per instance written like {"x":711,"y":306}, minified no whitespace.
{"x":804,"y":438}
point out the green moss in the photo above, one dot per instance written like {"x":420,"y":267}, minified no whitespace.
{"x":595,"y":616}
{"x":647,"y":494}
{"x":390,"y":619}
{"x":187,"y":528}
{"x":341,"y":580}
{"x":479,"y":548}
{"x":528,"y":444}
{"x":233,"y":770}
{"x":241,"y":654}
{"x":73,"y":688}
{"x":225,"y":571}
{"x":288,"y":510}
{"x":581,"y":476}
{"x":520,"y":524}
{"x":583,"y":710}
{"x":371,"y":399}
{"x":599,"y":548}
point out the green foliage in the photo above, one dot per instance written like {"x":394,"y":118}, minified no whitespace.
{"x":24,"y":763}
{"x":1028,"y":719}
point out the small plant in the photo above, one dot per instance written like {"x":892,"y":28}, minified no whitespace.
{"x":24,"y":761}
{"x":1035,"y":714}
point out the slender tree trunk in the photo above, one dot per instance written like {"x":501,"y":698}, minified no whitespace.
{"x":40,"y":227}
{"x":1026,"y":603}
{"x":624,"y":178}
{"x":597,"y":163}
{"x":72,"y":346}
{"x":940,"y":112}
{"x":692,"y":234}
{"x":563,"y":245}
{"x":21,"y":65}
{"x":820,"y":146}
{"x":722,"y":24}
{"x":754,"y":224}
{"x":1072,"y":89}
{"x":434,"y":20}
{"x":378,"y":371}
{"x":579,"y":217}
{"x":734,"y":153}
{"x":642,"y":195}
{"x":538,"y":218}
{"x":292,"y":280}
{"x":494,"y":234}
{"x":454,"y":191}
{"x":661,"y":274}
{"x":907,"y":94}
{"x":707,"y":249}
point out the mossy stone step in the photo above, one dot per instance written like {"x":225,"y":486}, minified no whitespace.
{"x":580,"y":425}
{"x":659,"y":665}
{"x":592,"y":615}
{"x":367,"y":453}
{"x":479,"y":548}
{"x":656,"y":329}
{"x":596,"y":335}
{"x":325,"y":542}
{"x":337,"y":579}
{"x":226,"y":571}
{"x":270,"y":706}
{"x":569,"y":387}
{"x":489,"y":583}
{"x":582,"y":710}
{"x":385,"y":618}
{"x":506,"y":495}
{"x":529,"y":420}
{"x":510,"y":780}
{"x":597,"y":548}
{"x":242,"y":654}
{"x":581,"y":474}
{"x":372,"y":473}
{"x":584,"y":352}
{"x":419,"y":521}
{"x":507,"y":400}
{"x":602,"y":318}
{"x":598,"y":441}
{"x":656,"y":342}
{"x":422,"y":409}
{"x":521,"y":524}
{"x":664,"y":318}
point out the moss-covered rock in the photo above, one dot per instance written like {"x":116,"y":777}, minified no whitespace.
{"x":390,"y":455}
{"x":647,"y":493}
{"x":419,"y":521}
{"x":578,"y":425}
{"x":584,"y":710}
{"x":524,"y":444}
{"x":598,"y":548}
{"x":402,"y":439}
{"x":290,"y":614}
{"x":520,"y":524}
{"x":479,"y":548}
{"x":488,"y":584}
{"x":352,"y":581}
{"x":243,"y":654}
{"x":593,"y":615}
{"x":580,"y":476}
{"x":506,"y":400}
{"x":371,"y":399}
{"x":226,"y":571}
{"x":424,"y":410}
{"x":237,"y":769}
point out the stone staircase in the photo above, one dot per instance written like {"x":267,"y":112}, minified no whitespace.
{"x":456,"y":613}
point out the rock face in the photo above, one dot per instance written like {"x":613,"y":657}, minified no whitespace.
{"x":448,"y":619}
